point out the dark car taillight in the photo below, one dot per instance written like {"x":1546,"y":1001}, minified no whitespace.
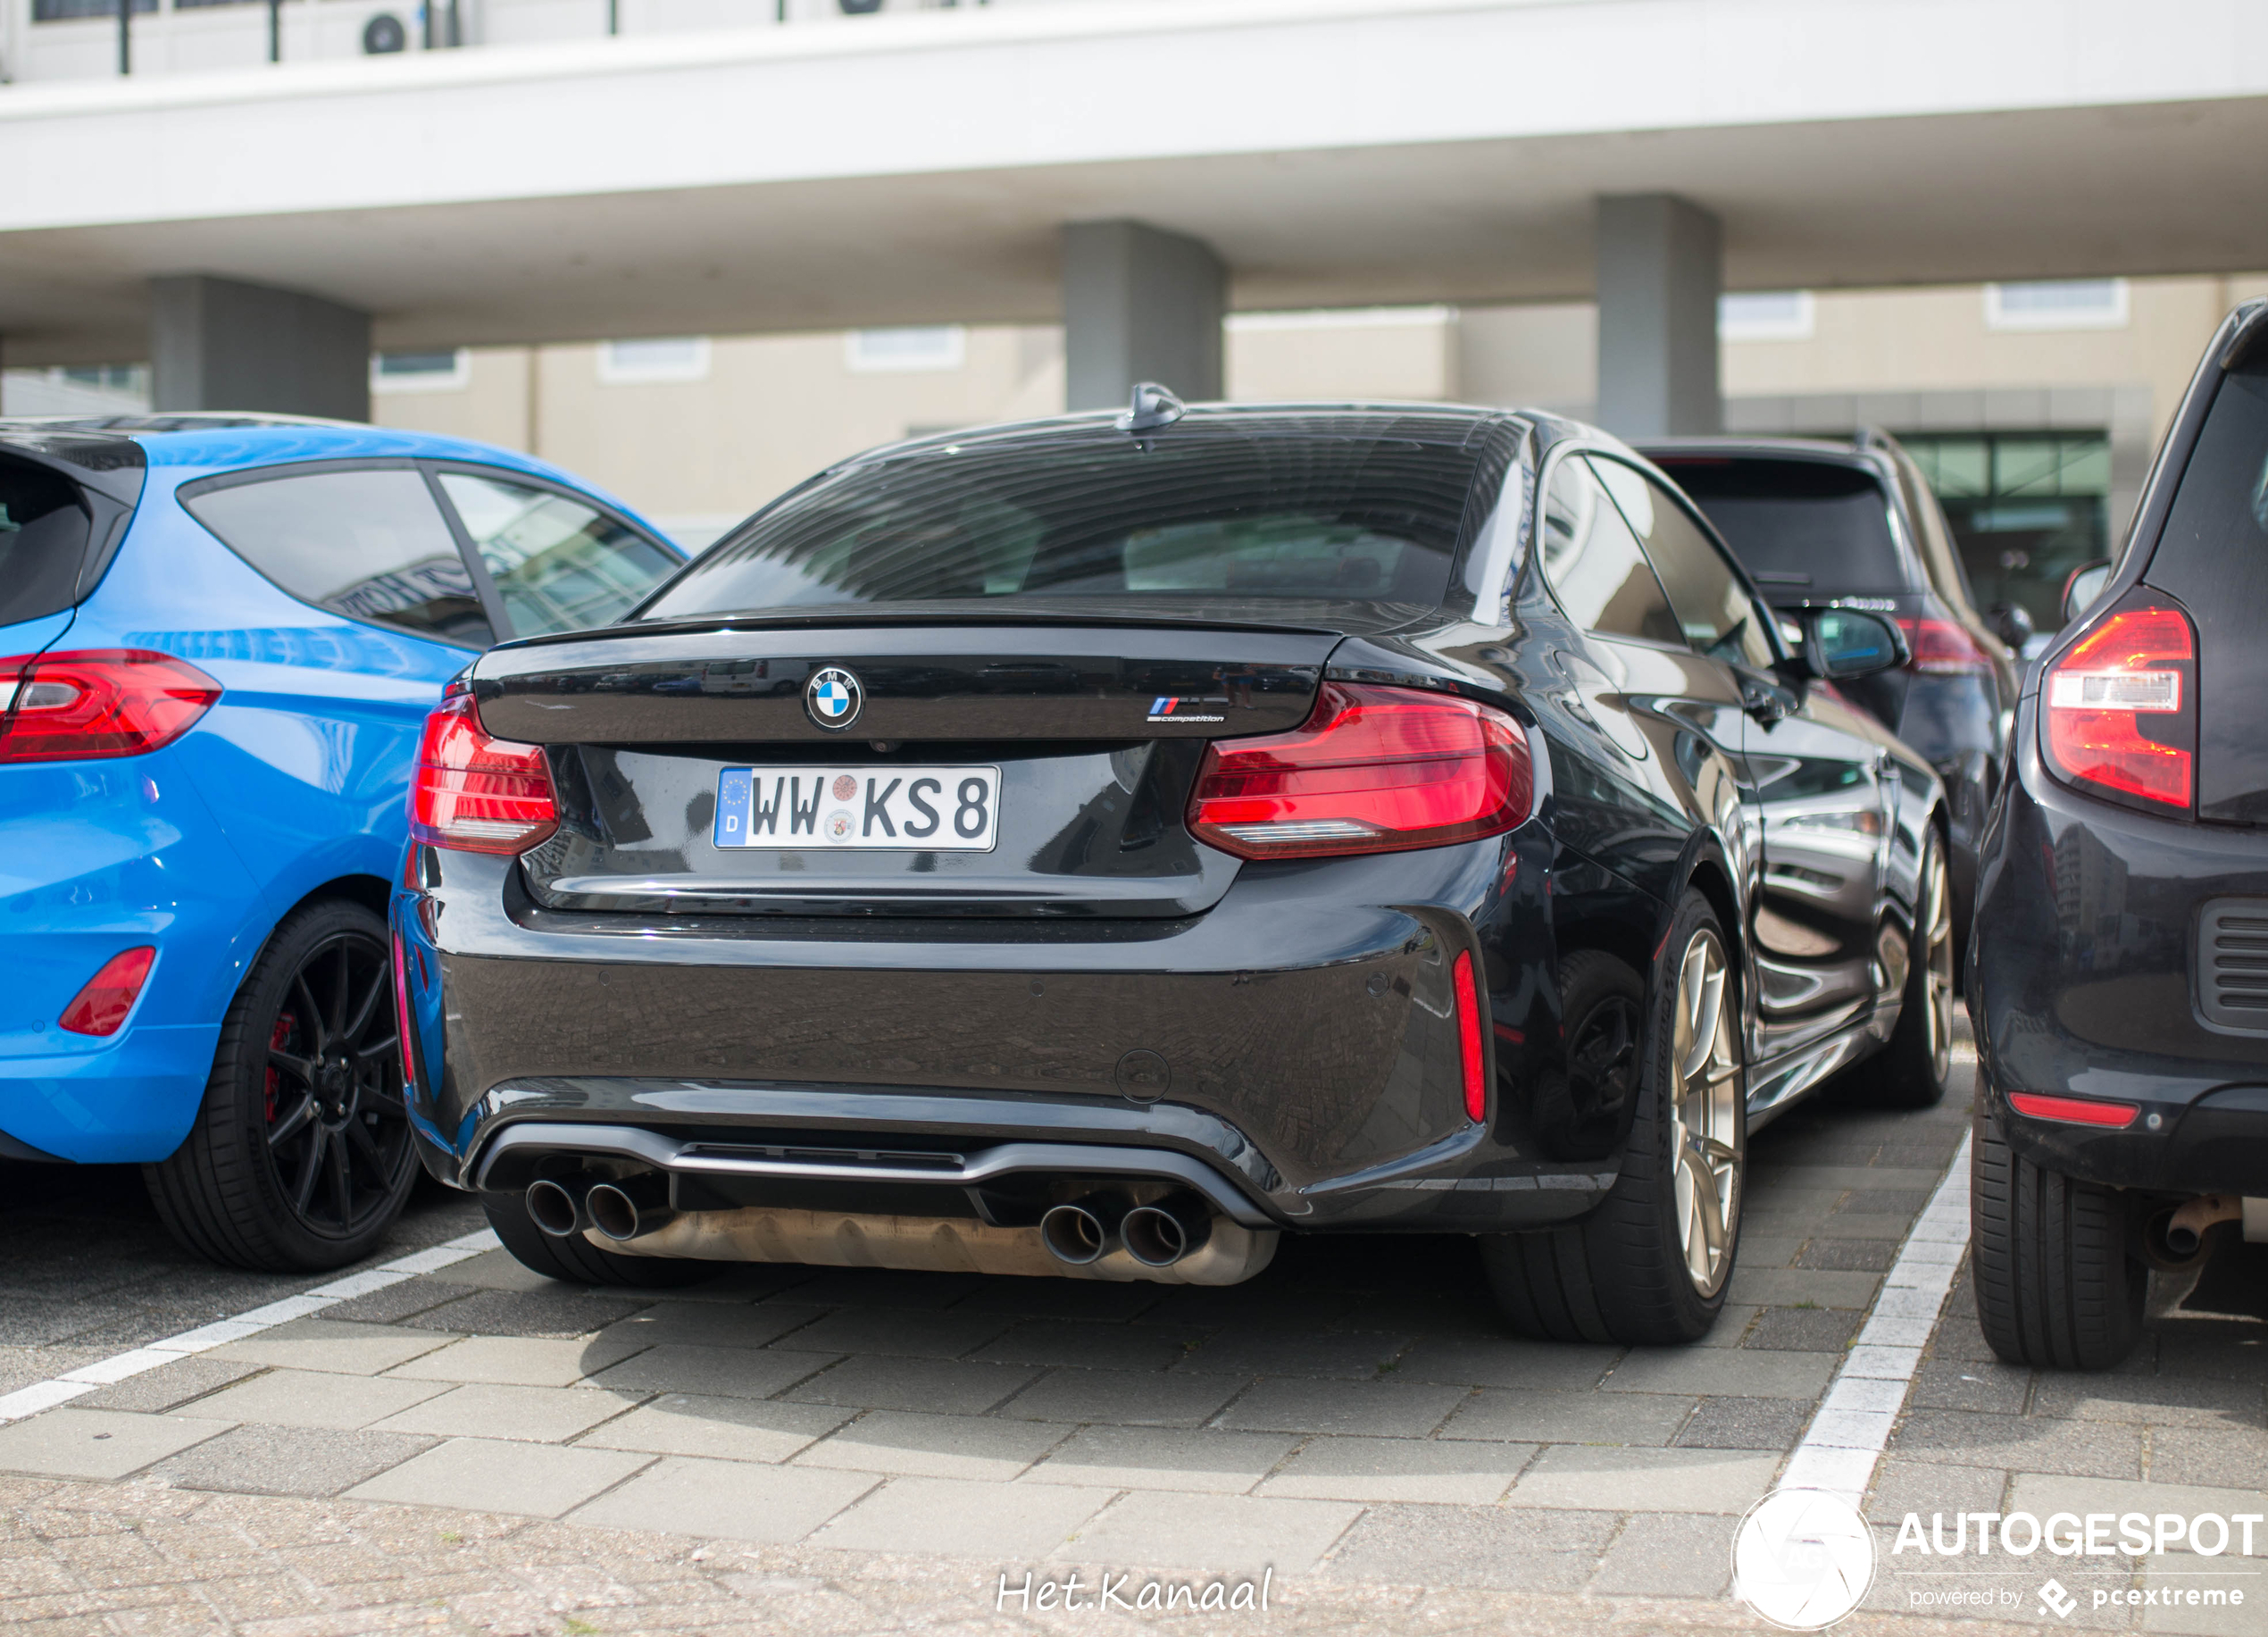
{"x":98,"y":702}
{"x":1942,"y":648}
{"x":1374,"y":769}
{"x":2118,"y":710}
{"x":475,"y":794}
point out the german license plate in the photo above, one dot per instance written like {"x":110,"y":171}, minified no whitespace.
{"x":927,"y":809}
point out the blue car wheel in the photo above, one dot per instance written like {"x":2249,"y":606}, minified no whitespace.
{"x":300,"y":1156}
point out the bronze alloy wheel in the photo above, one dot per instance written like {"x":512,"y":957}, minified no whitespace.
{"x":1705,"y":1117}
{"x":1936,"y":919}
{"x":337,"y":1136}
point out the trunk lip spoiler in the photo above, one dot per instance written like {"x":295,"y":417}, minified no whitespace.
{"x":855,"y":616}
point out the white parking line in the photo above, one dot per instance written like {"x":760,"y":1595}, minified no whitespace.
{"x":62,"y":1389}
{"x":1852,"y":1426}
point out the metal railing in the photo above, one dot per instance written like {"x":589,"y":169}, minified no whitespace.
{"x":43,"y":41}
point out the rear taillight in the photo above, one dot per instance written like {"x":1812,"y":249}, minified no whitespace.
{"x":97,"y":702}
{"x":1375,"y":769}
{"x":2074,"y":1110}
{"x":1469,"y":1056}
{"x":2118,"y":709}
{"x":474,"y":794}
{"x":1942,"y":648}
{"x":101,"y":1008}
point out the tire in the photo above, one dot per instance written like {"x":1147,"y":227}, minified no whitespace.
{"x":1579,"y":1115}
{"x":2057,"y":1286}
{"x":1649,"y":1267}
{"x":575,"y":1260}
{"x":300,"y":1156}
{"x":1912,"y":1070}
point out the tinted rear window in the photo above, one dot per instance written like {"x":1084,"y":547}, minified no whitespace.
{"x":2213,"y":557}
{"x":42,"y":541}
{"x":369,"y":544}
{"x":1367,"y":511}
{"x":1802,"y":529}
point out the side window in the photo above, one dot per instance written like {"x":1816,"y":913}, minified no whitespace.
{"x":558,"y":564}
{"x":1593,"y":561}
{"x":371,"y":545}
{"x":1713,"y":610}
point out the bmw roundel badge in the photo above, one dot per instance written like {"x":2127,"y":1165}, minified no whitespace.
{"x":833,"y":698}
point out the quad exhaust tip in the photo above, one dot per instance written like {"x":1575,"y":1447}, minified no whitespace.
{"x":1083,"y":1232}
{"x":629,"y":1206}
{"x":555,"y":1206}
{"x":1160,"y":1234}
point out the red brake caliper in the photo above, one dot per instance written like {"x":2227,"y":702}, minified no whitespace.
{"x":277,"y":1039}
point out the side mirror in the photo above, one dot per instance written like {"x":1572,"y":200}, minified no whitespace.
{"x":2011,"y":623}
{"x":2084,"y":585}
{"x":1843,"y":644}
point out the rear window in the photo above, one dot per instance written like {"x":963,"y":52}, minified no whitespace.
{"x":1802,"y":529}
{"x":44,"y":526}
{"x":369,"y":544}
{"x":1197,"y":510}
{"x":2212,"y":556}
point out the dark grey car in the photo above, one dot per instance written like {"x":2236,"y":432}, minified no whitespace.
{"x":1854,"y":525}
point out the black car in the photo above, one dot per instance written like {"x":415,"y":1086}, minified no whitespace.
{"x":1854,"y":525}
{"x":1101,"y":846}
{"x":2119,"y":974}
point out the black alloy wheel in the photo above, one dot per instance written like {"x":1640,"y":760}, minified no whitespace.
{"x":300,"y":1156}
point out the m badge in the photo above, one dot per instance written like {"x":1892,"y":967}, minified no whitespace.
{"x":833,"y":698}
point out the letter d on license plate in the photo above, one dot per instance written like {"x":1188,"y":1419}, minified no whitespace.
{"x":925,"y":809}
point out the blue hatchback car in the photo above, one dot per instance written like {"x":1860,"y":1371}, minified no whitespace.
{"x":220,"y":637}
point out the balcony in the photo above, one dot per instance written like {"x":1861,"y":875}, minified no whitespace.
{"x":48,"y":40}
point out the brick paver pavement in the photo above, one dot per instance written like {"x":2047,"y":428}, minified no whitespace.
{"x":793,"y":1449}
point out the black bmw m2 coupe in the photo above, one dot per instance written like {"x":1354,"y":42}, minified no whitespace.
{"x":1103,"y":845}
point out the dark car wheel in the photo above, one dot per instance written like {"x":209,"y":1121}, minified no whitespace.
{"x":1912,"y":1070}
{"x":300,"y":1155}
{"x":1649,"y":1267}
{"x":2057,"y":1286}
{"x":577,"y":1261}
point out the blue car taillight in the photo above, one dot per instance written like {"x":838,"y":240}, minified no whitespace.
{"x":97,"y":702}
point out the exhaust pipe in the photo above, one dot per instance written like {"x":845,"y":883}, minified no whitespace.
{"x":1160,"y":1234}
{"x":2185,"y":1229}
{"x":1084,"y":1232}
{"x":621,"y":1210}
{"x":558,"y":1206}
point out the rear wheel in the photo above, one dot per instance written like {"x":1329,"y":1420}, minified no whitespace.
{"x":2057,"y":1288}
{"x":1649,"y":1267}
{"x":1910,"y":1072}
{"x":300,"y":1156}
{"x":577,"y":1261}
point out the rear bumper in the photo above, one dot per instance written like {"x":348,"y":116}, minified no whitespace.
{"x":1298,"y":1041}
{"x":97,"y":857}
{"x":2082,"y":984}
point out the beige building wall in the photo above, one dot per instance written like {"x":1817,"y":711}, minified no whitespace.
{"x":767,"y":411}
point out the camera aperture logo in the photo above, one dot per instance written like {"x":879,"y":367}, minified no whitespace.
{"x":1803,"y":1558}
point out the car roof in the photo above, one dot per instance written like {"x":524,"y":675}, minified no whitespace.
{"x":213,"y":441}
{"x":1851,"y":454}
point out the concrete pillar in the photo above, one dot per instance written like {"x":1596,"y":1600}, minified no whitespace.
{"x":219,"y":343}
{"x":1139,"y":304}
{"x":1661,"y":264}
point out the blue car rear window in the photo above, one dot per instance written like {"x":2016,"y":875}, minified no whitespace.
{"x":43,"y":525}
